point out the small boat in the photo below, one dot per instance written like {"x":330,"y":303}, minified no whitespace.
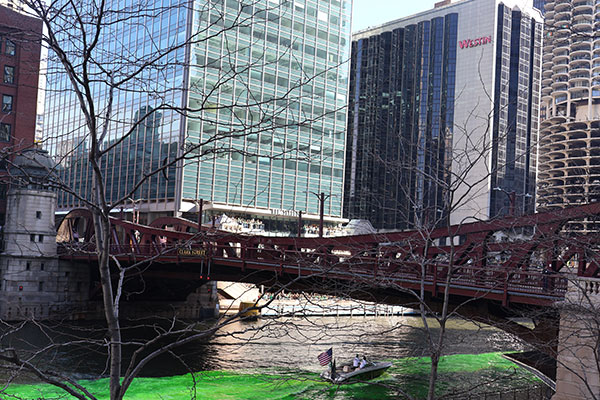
{"x":347,"y":374}
{"x":250,"y":315}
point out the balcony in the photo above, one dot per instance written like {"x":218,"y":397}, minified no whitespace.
{"x":582,"y":4}
{"x":578,"y":84}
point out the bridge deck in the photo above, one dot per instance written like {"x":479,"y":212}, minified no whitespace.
{"x":517,"y":260}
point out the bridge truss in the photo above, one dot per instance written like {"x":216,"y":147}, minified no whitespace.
{"x":512,"y":261}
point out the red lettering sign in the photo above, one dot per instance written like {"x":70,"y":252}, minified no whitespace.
{"x":465,"y":44}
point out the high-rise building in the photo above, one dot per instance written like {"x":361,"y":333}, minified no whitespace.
{"x":444,"y":111}
{"x":539,"y":4}
{"x":19,"y":69}
{"x":15,"y":5}
{"x":570,"y":112}
{"x":264,"y":91}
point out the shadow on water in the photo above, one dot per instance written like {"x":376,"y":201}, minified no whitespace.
{"x":279,"y":356}
{"x":81,"y":350}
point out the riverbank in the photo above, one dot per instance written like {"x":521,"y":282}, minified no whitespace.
{"x":491,"y":370}
{"x":335,"y":308}
{"x":325,"y":308}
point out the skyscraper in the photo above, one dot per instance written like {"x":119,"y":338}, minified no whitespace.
{"x":263,"y":88}
{"x":443,"y":115}
{"x":539,"y":4}
{"x":570,"y":144}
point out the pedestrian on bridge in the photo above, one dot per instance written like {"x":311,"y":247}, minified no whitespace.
{"x":546,"y":279}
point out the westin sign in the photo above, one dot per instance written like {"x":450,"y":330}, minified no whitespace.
{"x":465,"y":44}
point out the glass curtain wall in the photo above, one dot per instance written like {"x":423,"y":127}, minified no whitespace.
{"x":280,"y":117}
{"x":401,"y":121}
{"x":516,"y":118}
{"x":141,"y":133}
{"x":251,"y":93}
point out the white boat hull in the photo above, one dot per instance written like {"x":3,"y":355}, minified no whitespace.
{"x":371,"y":371}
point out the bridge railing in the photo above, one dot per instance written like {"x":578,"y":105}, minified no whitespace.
{"x":373,"y":265}
{"x":491,"y":278}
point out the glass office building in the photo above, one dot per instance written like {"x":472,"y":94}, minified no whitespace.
{"x":443,"y":115}
{"x":539,"y":4}
{"x":255,"y":116}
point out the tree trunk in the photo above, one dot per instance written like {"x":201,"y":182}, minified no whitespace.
{"x":102,"y":225}
{"x":433,"y":374}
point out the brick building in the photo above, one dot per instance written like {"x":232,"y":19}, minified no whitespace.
{"x":19,"y":76}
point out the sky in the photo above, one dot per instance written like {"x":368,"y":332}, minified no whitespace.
{"x":376,"y":12}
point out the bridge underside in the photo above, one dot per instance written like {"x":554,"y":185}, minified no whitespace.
{"x":174,"y":281}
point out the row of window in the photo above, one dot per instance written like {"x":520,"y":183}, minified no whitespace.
{"x":10,"y":49}
{"x":7,"y":103}
{"x":5,"y":132}
{"x":9,"y":74}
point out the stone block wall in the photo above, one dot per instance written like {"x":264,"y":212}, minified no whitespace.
{"x":578,"y":374}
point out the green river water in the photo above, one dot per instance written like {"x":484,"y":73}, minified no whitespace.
{"x":409,"y":374}
{"x":281,"y":363}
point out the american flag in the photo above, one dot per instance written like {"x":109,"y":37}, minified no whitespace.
{"x":325,"y":357}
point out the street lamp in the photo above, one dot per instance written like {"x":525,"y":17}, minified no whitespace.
{"x":200,"y":204}
{"x":526,"y":196}
{"x":135,"y":212}
{"x":512,"y":196}
{"x":322,"y":197}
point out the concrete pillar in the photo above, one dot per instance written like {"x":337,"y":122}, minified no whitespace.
{"x":33,"y":283}
{"x":29,"y":230}
{"x":578,"y":374}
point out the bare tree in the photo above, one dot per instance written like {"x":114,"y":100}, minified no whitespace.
{"x":105,"y":56}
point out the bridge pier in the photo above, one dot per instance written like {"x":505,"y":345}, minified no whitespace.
{"x":199,"y":305}
{"x":33,"y":282}
{"x":578,"y":361}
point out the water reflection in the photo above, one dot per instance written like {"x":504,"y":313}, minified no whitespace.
{"x":290,"y":344}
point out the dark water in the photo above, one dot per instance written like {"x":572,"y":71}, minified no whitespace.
{"x":282,"y":354}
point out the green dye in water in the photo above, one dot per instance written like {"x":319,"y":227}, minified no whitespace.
{"x":489,"y":372}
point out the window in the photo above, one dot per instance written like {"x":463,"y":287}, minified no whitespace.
{"x":5,"y":132}
{"x":32,"y":238}
{"x":41,"y":240}
{"x":38,"y":214}
{"x":40,"y":286}
{"x":10,"y":48}
{"x":41,"y":266}
{"x":7,"y":103}
{"x":28,"y":265}
{"x":9,"y":74}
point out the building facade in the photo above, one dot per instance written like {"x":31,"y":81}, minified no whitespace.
{"x":256,"y":118}
{"x":443,"y":115}
{"x":19,"y":69}
{"x":570,"y":143}
{"x":539,"y":4}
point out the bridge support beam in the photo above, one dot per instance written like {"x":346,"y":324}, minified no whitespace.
{"x":578,"y":366}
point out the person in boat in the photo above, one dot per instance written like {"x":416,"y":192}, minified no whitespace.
{"x":363,"y":363}
{"x":356,"y":362}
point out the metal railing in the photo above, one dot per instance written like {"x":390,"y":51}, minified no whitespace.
{"x":532,"y":393}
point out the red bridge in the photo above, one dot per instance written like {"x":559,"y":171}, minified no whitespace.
{"x":511,"y":261}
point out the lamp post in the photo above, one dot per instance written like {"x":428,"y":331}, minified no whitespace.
{"x":322,"y":197}
{"x":512,"y":197}
{"x":200,"y":206}
{"x":135,"y":212}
